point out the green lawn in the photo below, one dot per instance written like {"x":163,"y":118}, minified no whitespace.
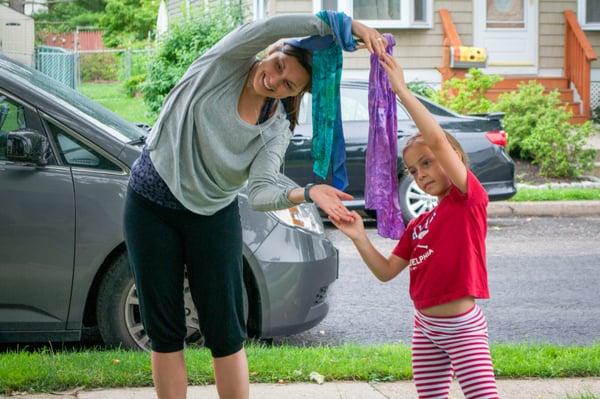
{"x":45,"y":370}
{"x":556,"y":194}
{"x":113,"y":97}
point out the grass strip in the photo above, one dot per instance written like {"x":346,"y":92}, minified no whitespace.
{"x":556,"y":194}
{"x":47,"y":371}
{"x":113,"y":97}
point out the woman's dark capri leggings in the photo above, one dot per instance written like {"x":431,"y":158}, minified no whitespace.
{"x":160,"y":241}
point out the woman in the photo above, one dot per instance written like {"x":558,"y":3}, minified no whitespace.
{"x":208,"y":142}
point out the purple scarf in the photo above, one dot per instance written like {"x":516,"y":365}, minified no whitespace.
{"x":381,"y":184}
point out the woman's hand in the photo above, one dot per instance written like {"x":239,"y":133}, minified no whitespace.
{"x":354,"y":230}
{"x":372,"y":39}
{"x":394,"y":72}
{"x":329,"y":199}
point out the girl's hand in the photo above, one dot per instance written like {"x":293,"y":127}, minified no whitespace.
{"x":329,"y":199}
{"x":394,"y":72}
{"x":354,"y":230}
{"x":372,"y":39}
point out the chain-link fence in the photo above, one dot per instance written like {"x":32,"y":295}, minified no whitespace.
{"x":111,"y":64}
{"x":57,"y":63}
{"x":73,"y":68}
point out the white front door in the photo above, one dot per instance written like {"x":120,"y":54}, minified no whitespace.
{"x":508,"y":29}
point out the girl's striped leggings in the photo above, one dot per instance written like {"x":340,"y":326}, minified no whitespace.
{"x":447,"y":346}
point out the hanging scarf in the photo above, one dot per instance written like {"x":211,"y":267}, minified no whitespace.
{"x":381,"y":183}
{"x":328,"y":146}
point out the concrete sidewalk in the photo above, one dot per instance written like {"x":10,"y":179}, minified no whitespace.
{"x":543,"y":208}
{"x":509,"y":389}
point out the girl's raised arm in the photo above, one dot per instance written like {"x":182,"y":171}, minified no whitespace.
{"x":432,"y":132}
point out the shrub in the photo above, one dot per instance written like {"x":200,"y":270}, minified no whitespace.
{"x":421,"y":88}
{"x":134,"y":62}
{"x":98,"y":66}
{"x":185,"y":42}
{"x":133,"y":85}
{"x":467,"y":96}
{"x":539,"y":129}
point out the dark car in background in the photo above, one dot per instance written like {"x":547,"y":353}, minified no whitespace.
{"x":64,"y":166}
{"x":482,"y":138}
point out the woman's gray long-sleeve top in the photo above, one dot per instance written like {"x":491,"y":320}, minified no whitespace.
{"x":202,"y":148}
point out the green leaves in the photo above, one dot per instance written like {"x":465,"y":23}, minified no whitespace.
{"x":539,"y":129}
{"x":186,"y":41}
{"x":128,"y":21}
{"x":467,"y":96}
{"x":421,"y":88}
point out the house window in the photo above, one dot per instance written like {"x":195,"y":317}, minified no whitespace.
{"x":383,"y":13}
{"x":589,"y":14}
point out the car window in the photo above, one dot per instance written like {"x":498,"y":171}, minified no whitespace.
{"x":15,"y":116}
{"x":74,"y":152}
{"x":355,"y":107}
{"x":75,"y":101}
{"x":304,"y":111}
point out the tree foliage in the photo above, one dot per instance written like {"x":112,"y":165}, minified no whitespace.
{"x":128,"y":21}
{"x":186,"y":41}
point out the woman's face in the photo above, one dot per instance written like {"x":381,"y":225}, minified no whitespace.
{"x":426,"y":170}
{"x":280,"y":76}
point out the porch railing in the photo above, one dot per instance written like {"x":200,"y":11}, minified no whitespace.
{"x":451,"y":39}
{"x":579,"y":55}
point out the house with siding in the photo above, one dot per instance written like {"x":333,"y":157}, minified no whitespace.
{"x":17,"y":35}
{"x":551,"y":41}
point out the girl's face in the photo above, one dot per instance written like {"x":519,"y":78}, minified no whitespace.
{"x":280,"y":76}
{"x":425,"y":169}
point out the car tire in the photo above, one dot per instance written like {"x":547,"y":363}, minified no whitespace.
{"x":118,"y":313}
{"x":413,"y":201}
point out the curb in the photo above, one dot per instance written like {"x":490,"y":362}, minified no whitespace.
{"x":543,"y":208}
{"x":553,"y":388}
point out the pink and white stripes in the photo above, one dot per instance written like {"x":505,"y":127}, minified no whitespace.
{"x":447,"y":346}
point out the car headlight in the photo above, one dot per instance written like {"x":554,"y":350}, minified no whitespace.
{"x":302,"y":216}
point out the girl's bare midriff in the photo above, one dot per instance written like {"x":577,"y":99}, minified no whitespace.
{"x":453,"y":308}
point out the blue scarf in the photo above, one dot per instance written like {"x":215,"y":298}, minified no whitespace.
{"x":328,"y":146}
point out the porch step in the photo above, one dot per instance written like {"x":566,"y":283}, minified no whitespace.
{"x":566,"y":95}
{"x":579,"y":120}
{"x":511,"y":82}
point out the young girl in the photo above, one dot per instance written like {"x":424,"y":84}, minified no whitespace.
{"x":445,"y":252}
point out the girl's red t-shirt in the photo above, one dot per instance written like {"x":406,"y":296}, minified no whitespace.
{"x":446,"y":248}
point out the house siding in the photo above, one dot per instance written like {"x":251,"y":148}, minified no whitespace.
{"x":415,"y":48}
{"x":421,"y":48}
{"x":552,"y":32}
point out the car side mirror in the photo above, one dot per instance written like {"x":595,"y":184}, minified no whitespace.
{"x":27,"y":146}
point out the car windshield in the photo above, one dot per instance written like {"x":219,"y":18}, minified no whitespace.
{"x":112,"y":123}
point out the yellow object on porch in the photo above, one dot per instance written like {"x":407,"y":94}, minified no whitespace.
{"x":468,"y":57}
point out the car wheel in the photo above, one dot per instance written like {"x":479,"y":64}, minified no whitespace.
{"x":118,"y":308}
{"x":413,"y":200}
